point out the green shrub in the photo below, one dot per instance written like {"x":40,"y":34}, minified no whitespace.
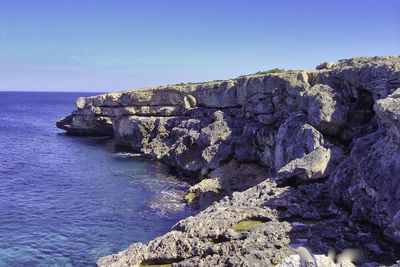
{"x":276,"y":70}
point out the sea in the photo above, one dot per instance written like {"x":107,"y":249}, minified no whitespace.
{"x":68,"y":200}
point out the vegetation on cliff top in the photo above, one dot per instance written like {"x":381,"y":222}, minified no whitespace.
{"x":271,"y":71}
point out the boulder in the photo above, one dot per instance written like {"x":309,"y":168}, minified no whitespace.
{"x":252,"y":88}
{"x":260,"y":106}
{"x":311,"y":166}
{"x":325,"y":65}
{"x":324,"y":110}
{"x":134,"y":131}
{"x":388,"y":112}
{"x":295,"y":139}
{"x":216,"y":94}
{"x":217,"y":131}
{"x":225,"y":180}
{"x":378,"y":75}
{"x":86,"y":125}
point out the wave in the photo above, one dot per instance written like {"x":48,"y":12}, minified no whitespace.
{"x":126,"y":155}
{"x":171,"y":201}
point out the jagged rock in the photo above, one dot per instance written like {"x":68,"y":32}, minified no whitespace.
{"x":184,"y":153}
{"x":217,"y":94}
{"x":189,"y":102}
{"x":260,"y":106}
{"x":209,"y":239}
{"x":370,"y":179}
{"x":295,"y":139}
{"x":396,"y":221}
{"x":324,"y":111}
{"x":260,"y":86}
{"x":86,"y":125}
{"x":133,"y":130}
{"x":388,"y":111}
{"x":215,"y":155}
{"x":266,"y":119}
{"x":204,"y":193}
{"x":325,"y":65}
{"x":378,"y":75}
{"x":217,"y":131}
{"x":340,"y":121}
{"x":311,"y":166}
{"x":225,"y":180}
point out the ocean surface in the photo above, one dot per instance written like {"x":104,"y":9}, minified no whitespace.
{"x":65,"y":200}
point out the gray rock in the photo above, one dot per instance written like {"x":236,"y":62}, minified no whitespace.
{"x":217,"y":131}
{"x":256,"y":87}
{"x":260,"y":106}
{"x":378,"y":75}
{"x":396,"y":221}
{"x":324,"y":111}
{"x":340,"y":121}
{"x":189,"y":102}
{"x":134,"y":131}
{"x":217,"y":94}
{"x":311,"y":166}
{"x":325,"y":65}
{"x":86,"y":125}
{"x":295,"y":139}
{"x":368,"y":181}
{"x":388,"y":111}
{"x":209,"y":239}
{"x":215,"y":155}
{"x":227,"y":179}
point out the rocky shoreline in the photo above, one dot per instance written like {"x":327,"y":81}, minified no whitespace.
{"x":285,"y":166}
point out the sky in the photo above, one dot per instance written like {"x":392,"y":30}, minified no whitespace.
{"x":114,"y":45}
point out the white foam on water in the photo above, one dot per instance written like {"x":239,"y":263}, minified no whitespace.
{"x":126,"y":155}
{"x":169,"y":201}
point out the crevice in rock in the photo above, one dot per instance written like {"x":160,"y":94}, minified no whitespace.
{"x":220,"y":239}
{"x":312,"y":78}
{"x":291,"y":181}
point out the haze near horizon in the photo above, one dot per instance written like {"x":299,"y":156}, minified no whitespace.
{"x":105,"y":46}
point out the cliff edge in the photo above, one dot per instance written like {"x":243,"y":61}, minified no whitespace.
{"x":292,"y":160}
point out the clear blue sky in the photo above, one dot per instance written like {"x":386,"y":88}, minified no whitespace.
{"x":85,"y":45}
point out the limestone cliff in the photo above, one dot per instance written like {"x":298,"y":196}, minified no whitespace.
{"x":301,"y":141}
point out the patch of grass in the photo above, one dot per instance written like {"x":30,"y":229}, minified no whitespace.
{"x":156,"y":265}
{"x":275,"y":70}
{"x":159,"y":262}
{"x":194,"y":83}
{"x":246,"y":225}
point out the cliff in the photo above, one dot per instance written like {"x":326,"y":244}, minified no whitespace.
{"x":314,"y":153}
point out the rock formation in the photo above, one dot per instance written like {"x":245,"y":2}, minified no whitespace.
{"x":301,"y":158}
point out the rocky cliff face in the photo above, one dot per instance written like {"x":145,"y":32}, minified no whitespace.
{"x":318,"y":139}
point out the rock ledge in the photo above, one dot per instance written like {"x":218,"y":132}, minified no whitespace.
{"x":297,"y":159}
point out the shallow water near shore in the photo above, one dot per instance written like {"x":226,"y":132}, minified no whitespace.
{"x":68,"y":200}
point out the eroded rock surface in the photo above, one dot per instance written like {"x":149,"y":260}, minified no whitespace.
{"x":325,"y":142}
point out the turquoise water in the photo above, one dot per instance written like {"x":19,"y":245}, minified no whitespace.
{"x":66,"y":201}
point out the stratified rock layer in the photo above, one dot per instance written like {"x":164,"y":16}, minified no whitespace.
{"x":323,"y":138}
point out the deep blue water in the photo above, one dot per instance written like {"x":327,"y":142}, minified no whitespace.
{"x":68,"y":200}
